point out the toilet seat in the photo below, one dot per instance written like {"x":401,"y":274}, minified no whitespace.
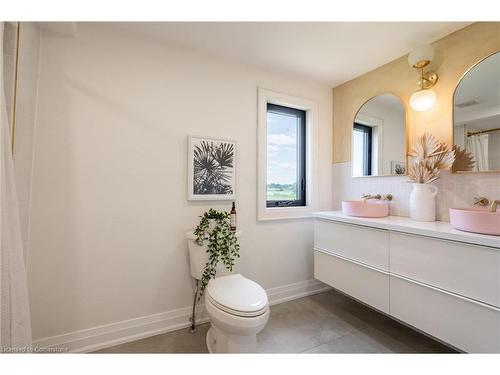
{"x":238,"y":296}
{"x":242,"y":314}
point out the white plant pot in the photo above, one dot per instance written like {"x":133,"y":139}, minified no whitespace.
{"x":423,"y":202}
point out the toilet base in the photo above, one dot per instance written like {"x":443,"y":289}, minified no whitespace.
{"x":233,"y":333}
{"x":223,"y":342}
{"x":210,"y":341}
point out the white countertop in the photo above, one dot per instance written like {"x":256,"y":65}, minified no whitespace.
{"x":436,"y":229}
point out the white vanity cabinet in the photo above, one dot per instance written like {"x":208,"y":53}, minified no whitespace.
{"x":365,"y":245}
{"x":363,"y":283}
{"x":441,"y":281}
{"x":460,"y":268}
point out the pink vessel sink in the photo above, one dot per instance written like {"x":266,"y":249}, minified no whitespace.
{"x":477,"y":220}
{"x":370,"y":208}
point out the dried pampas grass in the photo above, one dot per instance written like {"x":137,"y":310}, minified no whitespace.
{"x":427,"y":157}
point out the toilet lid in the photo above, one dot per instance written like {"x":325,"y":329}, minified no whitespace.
{"x":237,"y":295}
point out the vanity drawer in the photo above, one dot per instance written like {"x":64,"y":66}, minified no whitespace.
{"x":366,"y":245}
{"x":469,"y":270}
{"x":465,"y":324}
{"x":363,"y":283}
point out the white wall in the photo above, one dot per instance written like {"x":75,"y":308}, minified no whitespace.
{"x":109,"y":208}
{"x":494,"y":150}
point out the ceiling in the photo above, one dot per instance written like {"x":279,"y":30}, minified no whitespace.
{"x":327,"y":52}
{"x":480,"y":88}
{"x":481,"y":123}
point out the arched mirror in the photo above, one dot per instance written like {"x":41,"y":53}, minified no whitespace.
{"x":379,"y":138}
{"x":476,"y":116}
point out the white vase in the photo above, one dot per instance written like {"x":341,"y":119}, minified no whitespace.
{"x":423,"y":202}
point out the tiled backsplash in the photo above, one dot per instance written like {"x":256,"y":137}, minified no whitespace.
{"x":455,"y":190}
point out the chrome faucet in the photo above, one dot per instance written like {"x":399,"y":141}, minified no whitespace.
{"x":493,"y":205}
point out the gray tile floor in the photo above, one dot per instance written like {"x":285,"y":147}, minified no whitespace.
{"x":323,"y":323}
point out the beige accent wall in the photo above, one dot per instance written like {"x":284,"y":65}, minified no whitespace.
{"x":455,"y":54}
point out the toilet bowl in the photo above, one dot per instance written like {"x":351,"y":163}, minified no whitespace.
{"x":238,"y":308}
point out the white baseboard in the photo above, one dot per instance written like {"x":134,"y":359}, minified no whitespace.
{"x":100,"y":337}
{"x":301,"y":289}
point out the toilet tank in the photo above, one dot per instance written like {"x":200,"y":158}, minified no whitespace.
{"x":198,"y":257}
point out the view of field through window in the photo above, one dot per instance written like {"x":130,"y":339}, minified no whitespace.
{"x":282,"y":156}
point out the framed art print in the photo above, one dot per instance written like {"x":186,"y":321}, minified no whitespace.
{"x":398,"y":167}
{"x":211,"y":169}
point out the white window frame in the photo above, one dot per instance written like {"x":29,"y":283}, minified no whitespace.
{"x":279,"y":213}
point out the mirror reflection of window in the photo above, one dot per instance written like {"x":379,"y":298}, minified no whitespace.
{"x":476,"y":114}
{"x":362,"y":156}
{"x":379,"y":138}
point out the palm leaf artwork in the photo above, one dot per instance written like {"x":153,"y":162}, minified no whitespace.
{"x":427,"y":157}
{"x":400,"y":169}
{"x":213,"y":168}
{"x":464,"y":161}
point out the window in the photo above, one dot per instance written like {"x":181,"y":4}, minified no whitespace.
{"x":362,"y":150}
{"x":286,"y":156}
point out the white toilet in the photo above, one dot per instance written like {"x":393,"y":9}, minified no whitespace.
{"x":238,"y":307}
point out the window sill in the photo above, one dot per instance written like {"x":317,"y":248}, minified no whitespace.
{"x":284,"y":213}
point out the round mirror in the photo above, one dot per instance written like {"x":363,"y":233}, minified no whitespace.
{"x":379,"y":138}
{"x":476,"y":116}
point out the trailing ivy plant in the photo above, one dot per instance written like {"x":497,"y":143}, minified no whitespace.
{"x":222,"y":244}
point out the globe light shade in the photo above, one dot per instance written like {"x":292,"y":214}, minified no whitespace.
{"x":423,"y":100}
{"x":422,"y":53}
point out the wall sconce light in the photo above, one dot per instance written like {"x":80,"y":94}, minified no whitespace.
{"x":425,"y":98}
